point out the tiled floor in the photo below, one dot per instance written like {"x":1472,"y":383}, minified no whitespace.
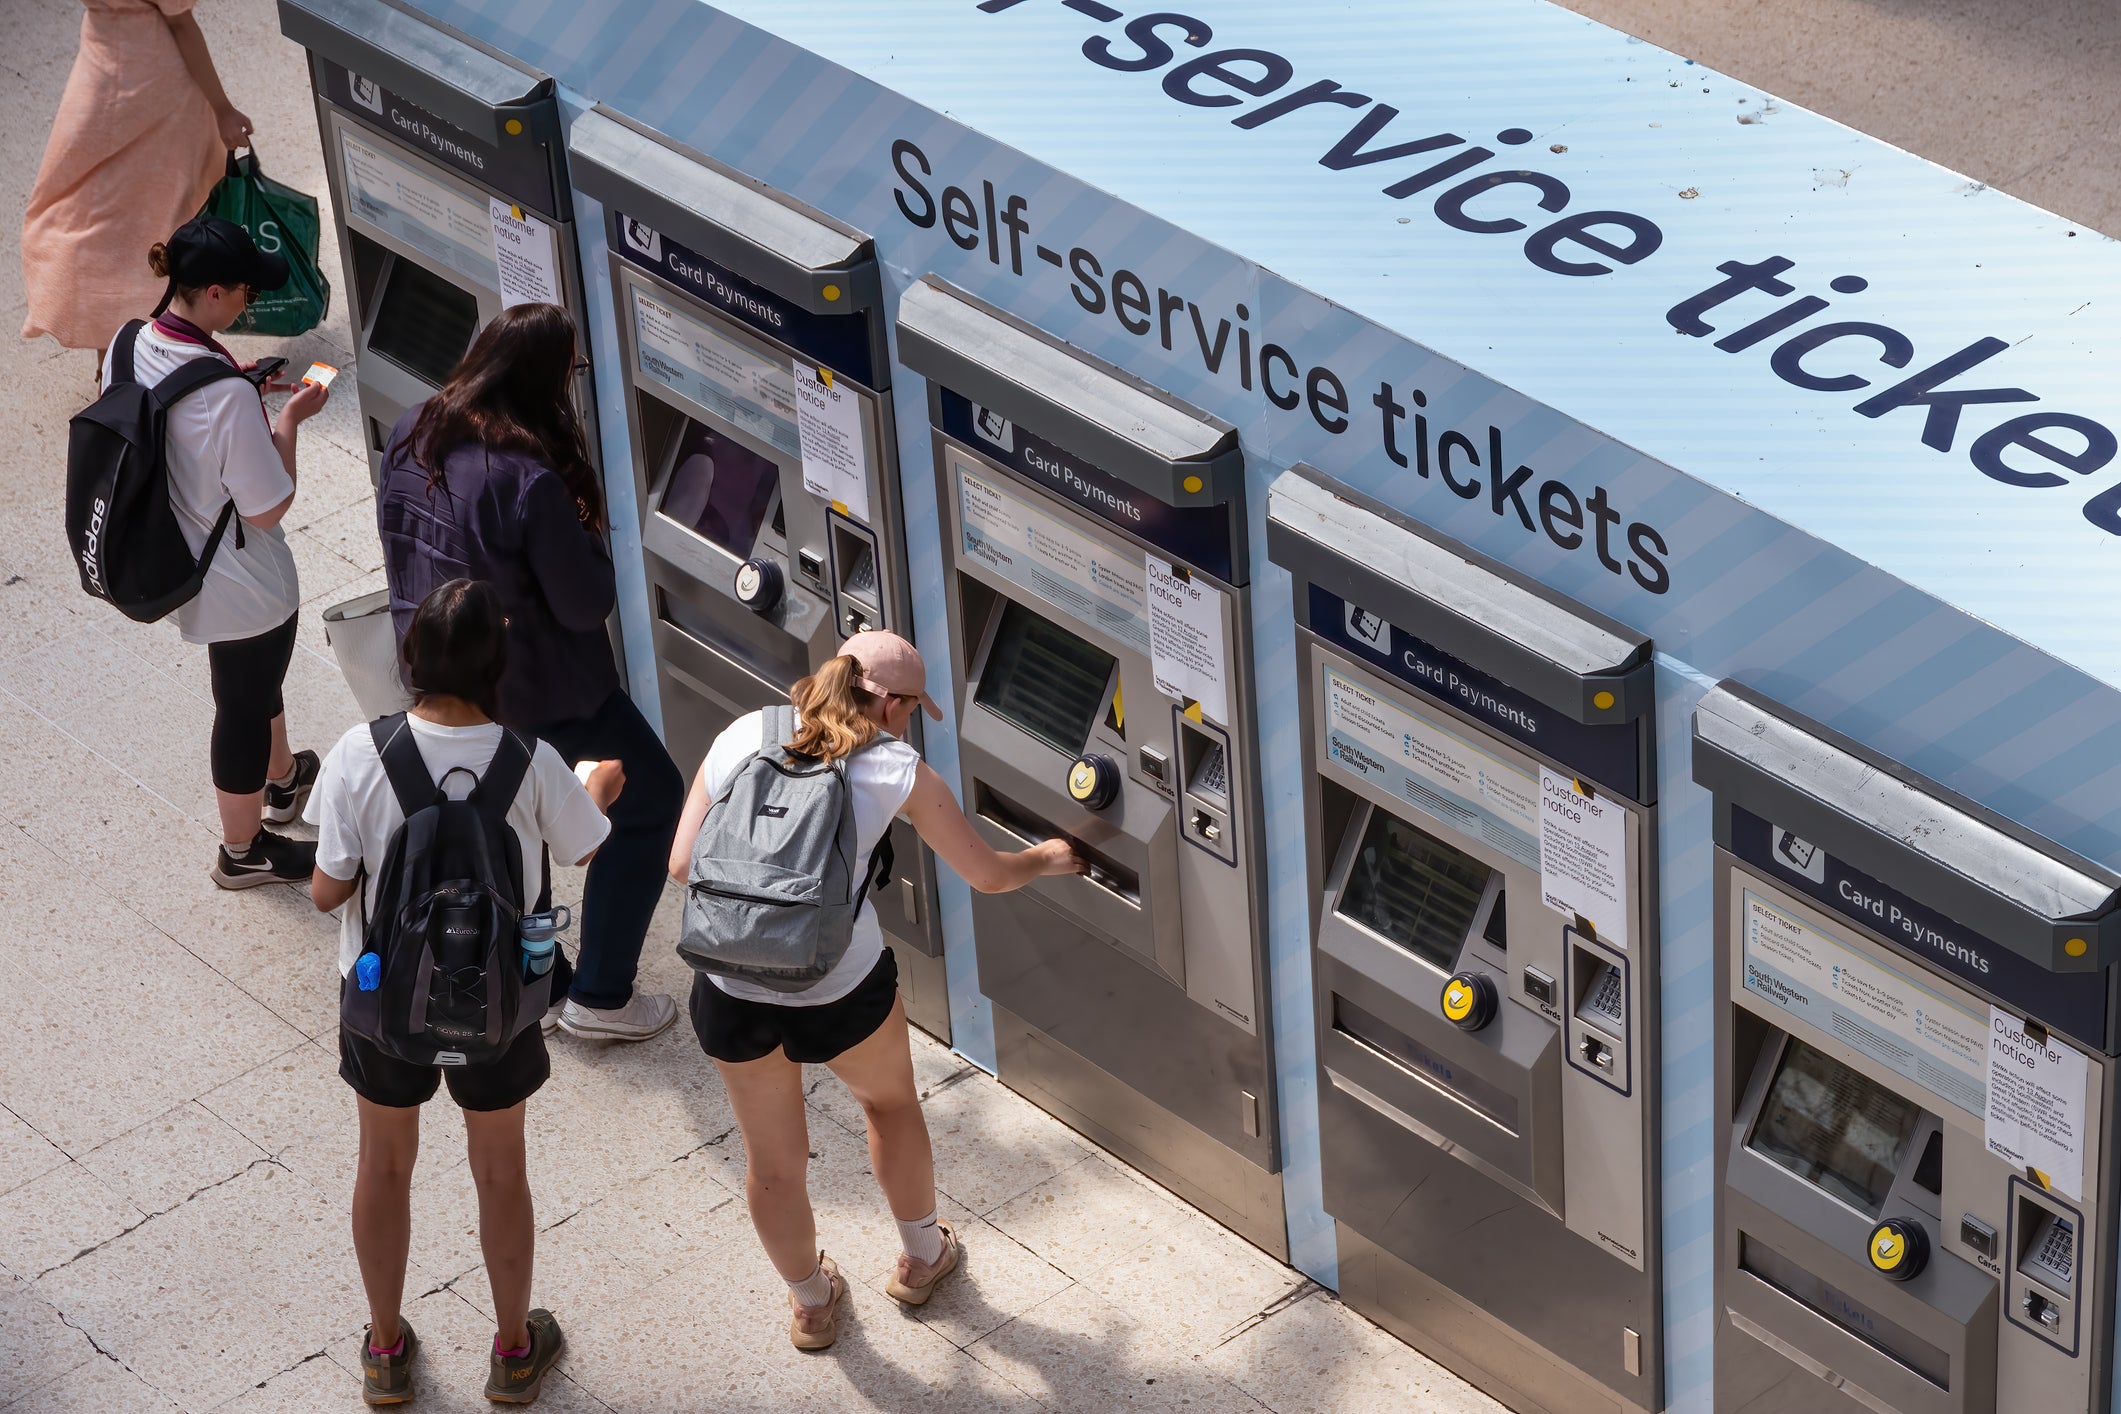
{"x":176,"y":1149}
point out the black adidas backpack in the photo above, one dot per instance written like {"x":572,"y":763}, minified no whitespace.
{"x":124,"y":532}
{"x":447,"y":921}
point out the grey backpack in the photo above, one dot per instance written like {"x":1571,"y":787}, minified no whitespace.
{"x":775,"y":882}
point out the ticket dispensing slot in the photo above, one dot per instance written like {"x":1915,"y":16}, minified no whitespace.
{"x":449,"y":182}
{"x":1917,"y":1097}
{"x":1098,"y":592}
{"x":765,"y":457}
{"x":1480,"y":821}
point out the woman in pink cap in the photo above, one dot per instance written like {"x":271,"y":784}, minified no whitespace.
{"x":856,"y":708}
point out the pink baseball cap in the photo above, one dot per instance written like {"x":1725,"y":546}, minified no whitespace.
{"x":891,"y":665}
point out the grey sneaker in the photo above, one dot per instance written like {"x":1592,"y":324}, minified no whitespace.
{"x":643,"y":1017}
{"x":517,"y":1379}
{"x":387,"y":1379}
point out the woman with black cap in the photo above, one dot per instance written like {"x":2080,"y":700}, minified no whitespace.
{"x":223,"y":449}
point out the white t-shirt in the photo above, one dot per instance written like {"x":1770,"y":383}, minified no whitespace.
{"x":219,"y":447}
{"x":882,"y":778}
{"x":356,"y":812}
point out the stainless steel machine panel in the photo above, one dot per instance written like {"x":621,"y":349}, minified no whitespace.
{"x":1098,"y":596}
{"x":1480,"y":812}
{"x":764,"y":454}
{"x":438,"y":150}
{"x":1891,"y":1238}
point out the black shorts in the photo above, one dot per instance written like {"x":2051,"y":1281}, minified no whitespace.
{"x":735,"y":1030}
{"x":385,"y":1080}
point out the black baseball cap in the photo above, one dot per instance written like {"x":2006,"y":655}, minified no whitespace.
{"x":207,"y":250}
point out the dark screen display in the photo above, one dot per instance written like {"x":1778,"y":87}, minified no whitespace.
{"x":1414,"y":889}
{"x":1835,"y":1128}
{"x":720,"y":489}
{"x":423,"y":322}
{"x":1044,"y":679}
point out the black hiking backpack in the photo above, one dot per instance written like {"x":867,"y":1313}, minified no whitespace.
{"x":446,"y":928}
{"x":124,"y":532}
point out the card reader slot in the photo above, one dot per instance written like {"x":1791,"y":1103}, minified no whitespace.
{"x":1105,"y":873}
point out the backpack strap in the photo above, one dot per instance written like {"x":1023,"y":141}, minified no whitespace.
{"x":402,"y":763}
{"x":878,"y":874}
{"x":194,"y":375}
{"x":121,"y":353}
{"x":496,"y":791}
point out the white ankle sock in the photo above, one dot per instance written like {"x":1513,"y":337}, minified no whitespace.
{"x":813,"y":1290}
{"x":922,"y":1239}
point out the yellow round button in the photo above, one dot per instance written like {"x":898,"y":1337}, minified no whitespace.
{"x":831,"y":292}
{"x":1888,"y":1249}
{"x":2076,"y":947}
{"x":1192,"y":484}
{"x":1081,"y":780}
{"x":1898,"y":1249}
{"x":1458,"y":1001}
{"x":514,"y":126}
{"x":1602,"y":701}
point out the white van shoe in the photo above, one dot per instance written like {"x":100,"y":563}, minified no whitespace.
{"x":644,"y":1016}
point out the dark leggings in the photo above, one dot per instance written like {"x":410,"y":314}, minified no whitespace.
{"x":626,"y":878}
{"x":247,"y":674}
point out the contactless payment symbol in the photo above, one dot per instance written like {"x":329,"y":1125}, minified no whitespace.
{"x":365,"y":92}
{"x":1799,"y":856}
{"x":993,"y":428}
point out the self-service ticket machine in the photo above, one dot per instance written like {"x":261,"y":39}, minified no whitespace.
{"x":450,"y":188}
{"x":765,"y":457}
{"x":1479,"y":805}
{"x":1097,"y":593}
{"x":1915,"y":1088}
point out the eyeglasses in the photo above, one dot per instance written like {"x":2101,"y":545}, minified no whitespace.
{"x":250,"y":293}
{"x":581,"y":365}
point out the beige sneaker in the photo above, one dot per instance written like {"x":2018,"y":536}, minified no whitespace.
{"x":914,"y":1282}
{"x":815,"y":1327}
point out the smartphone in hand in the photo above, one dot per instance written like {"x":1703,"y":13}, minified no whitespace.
{"x":261,"y":372}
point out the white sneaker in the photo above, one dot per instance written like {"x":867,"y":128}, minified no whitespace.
{"x":550,"y":1021}
{"x":643,"y":1017}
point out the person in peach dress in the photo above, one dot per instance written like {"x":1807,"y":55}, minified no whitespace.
{"x":142,"y":135}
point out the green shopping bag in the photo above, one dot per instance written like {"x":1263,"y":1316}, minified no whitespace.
{"x":283,"y":222}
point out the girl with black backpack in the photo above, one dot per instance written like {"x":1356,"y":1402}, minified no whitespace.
{"x":854,"y":711}
{"x":454,"y":654}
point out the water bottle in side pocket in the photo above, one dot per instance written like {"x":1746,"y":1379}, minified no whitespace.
{"x":540,"y":937}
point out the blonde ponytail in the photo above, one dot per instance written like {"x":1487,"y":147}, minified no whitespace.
{"x":833,"y":711}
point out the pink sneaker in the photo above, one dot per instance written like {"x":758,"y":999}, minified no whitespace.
{"x":914,"y":1282}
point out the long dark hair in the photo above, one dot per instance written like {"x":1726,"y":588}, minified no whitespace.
{"x":514,"y":389}
{"x":457,"y":644}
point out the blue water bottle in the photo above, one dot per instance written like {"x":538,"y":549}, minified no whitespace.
{"x":539,"y":931}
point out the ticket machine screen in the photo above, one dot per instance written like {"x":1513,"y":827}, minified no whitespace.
{"x":1414,"y":889}
{"x":1044,"y":679}
{"x":1835,"y":1128}
{"x":423,"y":322}
{"x":720,"y":489}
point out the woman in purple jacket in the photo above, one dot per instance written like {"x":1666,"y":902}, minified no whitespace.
{"x":490,"y":479}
